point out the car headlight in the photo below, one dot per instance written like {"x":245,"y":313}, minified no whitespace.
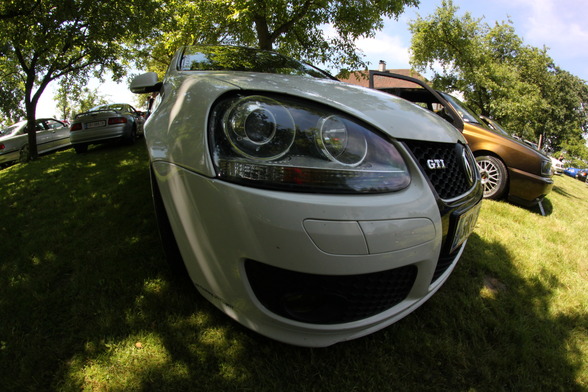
{"x":285,"y":143}
{"x":546,"y":168}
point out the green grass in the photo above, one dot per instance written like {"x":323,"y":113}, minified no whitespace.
{"x":87,"y":301}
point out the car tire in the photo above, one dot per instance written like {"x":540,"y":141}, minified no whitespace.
{"x":132,"y":138}
{"x":23,"y":155}
{"x":168,"y":240}
{"x":494,"y":176}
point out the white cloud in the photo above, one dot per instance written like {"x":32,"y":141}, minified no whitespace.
{"x":389,"y":48}
{"x":561,"y":25}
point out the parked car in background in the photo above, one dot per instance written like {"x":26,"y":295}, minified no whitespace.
{"x":495,"y":126}
{"x":309,"y":210}
{"x":105,"y":123}
{"x":51,"y":134}
{"x":509,"y":168}
{"x":557,"y":166}
{"x":582,"y":175}
{"x":572,"y":171}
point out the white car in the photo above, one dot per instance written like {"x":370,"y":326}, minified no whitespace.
{"x":105,"y":123}
{"x":51,"y":134}
{"x":557,"y":166}
{"x":307,"y":209}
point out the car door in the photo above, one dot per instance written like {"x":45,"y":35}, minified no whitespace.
{"x":44,"y":136}
{"x":58,"y":133}
{"x":139,"y":119}
{"x":417,"y":92}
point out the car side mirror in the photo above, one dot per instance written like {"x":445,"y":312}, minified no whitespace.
{"x":145,"y":83}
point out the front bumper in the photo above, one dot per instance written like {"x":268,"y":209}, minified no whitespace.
{"x":528,"y":189}
{"x":299,"y":267}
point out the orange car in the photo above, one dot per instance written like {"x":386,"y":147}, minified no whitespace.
{"x":509,"y":167}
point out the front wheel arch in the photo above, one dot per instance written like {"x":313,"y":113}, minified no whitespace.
{"x":494,"y":176}
{"x":168,"y":240}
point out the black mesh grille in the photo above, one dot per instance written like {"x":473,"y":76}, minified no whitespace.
{"x":328,"y":299}
{"x":451,"y":180}
{"x":443,"y":264}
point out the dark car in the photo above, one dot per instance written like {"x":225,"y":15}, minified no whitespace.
{"x":117,"y":121}
{"x":509,"y":168}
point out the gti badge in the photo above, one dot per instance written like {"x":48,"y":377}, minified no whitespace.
{"x":434,"y":164}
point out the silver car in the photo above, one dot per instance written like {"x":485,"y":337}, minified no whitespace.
{"x":51,"y":135}
{"x":308,"y":210}
{"x":117,"y":121}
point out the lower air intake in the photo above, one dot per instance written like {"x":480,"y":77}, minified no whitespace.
{"x":328,"y":299}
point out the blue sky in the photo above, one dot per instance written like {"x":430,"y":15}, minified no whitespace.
{"x":559,"y":25}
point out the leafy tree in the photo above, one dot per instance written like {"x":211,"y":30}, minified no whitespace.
{"x":68,"y":37}
{"x":11,"y":92}
{"x":568,"y":114}
{"x":73,"y":97}
{"x":575,"y":152}
{"x":63,"y":96}
{"x":87,"y":99}
{"x":16,"y":8}
{"x":295,"y":28}
{"x":499,"y":75}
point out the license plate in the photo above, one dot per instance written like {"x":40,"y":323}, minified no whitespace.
{"x":465,"y":226}
{"x":95,"y":124}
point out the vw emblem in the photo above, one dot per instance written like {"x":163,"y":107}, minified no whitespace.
{"x":467,"y":165}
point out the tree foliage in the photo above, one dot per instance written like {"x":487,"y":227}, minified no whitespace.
{"x":319,"y":31}
{"x":11,"y":92}
{"x":499,"y":75}
{"x":74,"y":97}
{"x":44,"y":40}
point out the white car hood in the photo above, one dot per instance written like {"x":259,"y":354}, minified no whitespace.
{"x":394,"y":116}
{"x":176,"y":130}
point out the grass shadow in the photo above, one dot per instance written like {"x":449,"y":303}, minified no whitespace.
{"x":82,"y":242}
{"x":559,"y":190}
{"x":87,"y":302}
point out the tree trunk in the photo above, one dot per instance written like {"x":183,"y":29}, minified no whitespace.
{"x":31,"y":101}
{"x":32,"y":134}
{"x":263,"y":35}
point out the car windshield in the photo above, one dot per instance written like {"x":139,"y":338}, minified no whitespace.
{"x":497,"y":127}
{"x":466,"y":114}
{"x":8,"y":130}
{"x":230,"y":58}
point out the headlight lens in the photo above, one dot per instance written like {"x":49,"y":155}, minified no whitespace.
{"x":283,"y":143}
{"x":546,"y":168}
{"x":339,"y":144}
{"x":259,"y":128}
